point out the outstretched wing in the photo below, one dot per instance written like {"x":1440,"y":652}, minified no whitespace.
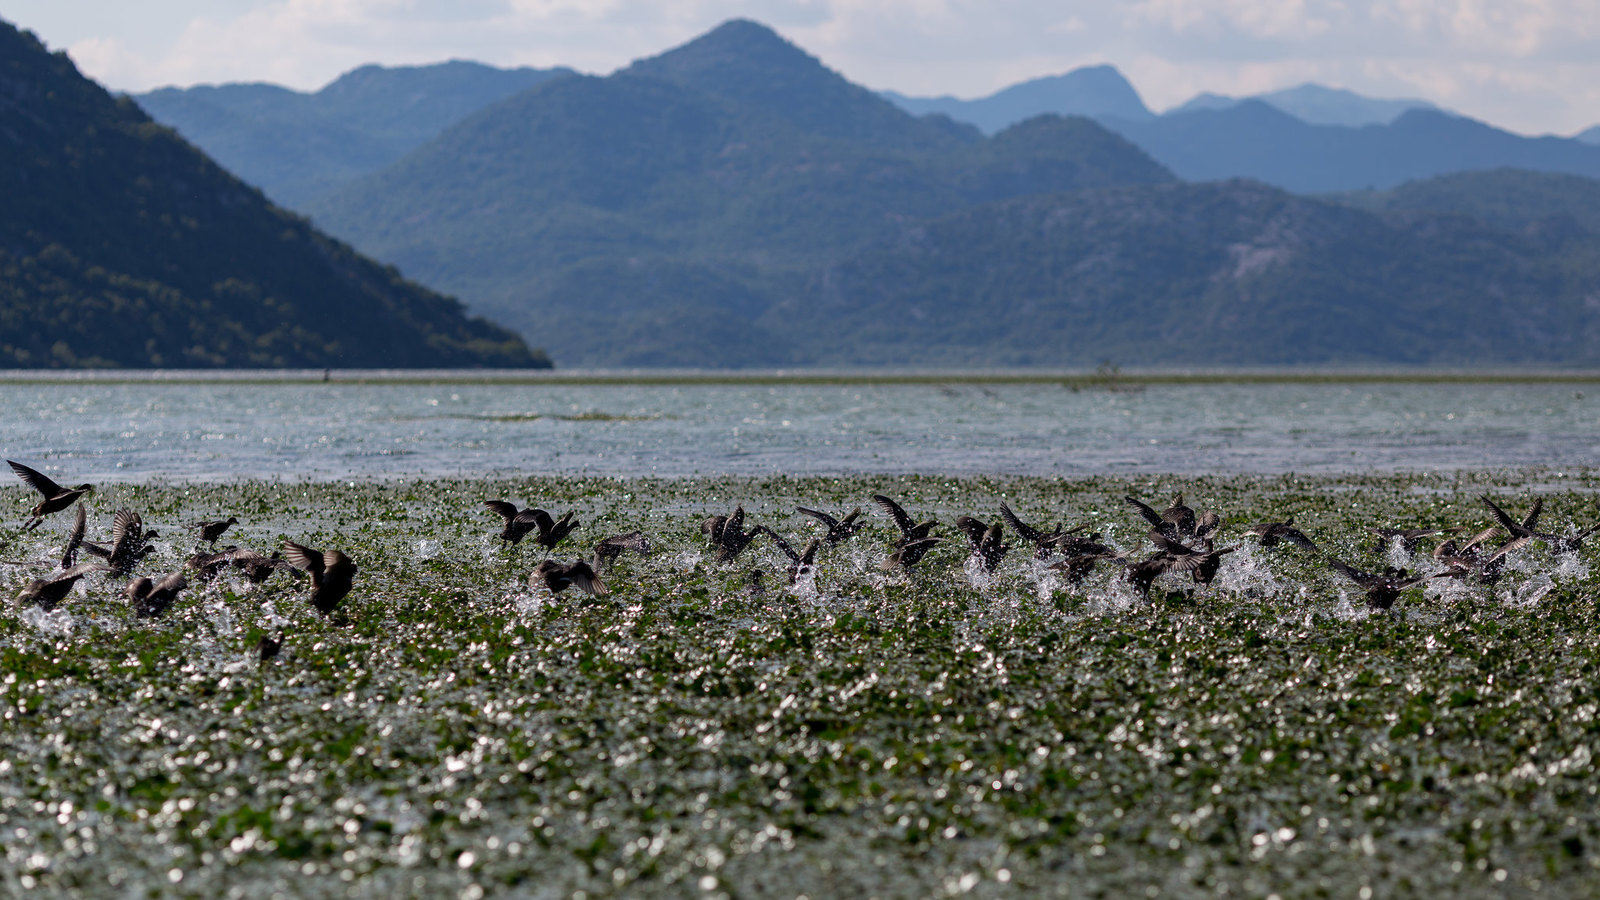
{"x":782,"y":544}
{"x":1029,"y":533}
{"x":1511,"y":525}
{"x":501,"y":508}
{"x":124,"y":524}
{"x":901,"y":520}
{"x":1149,"y":514}
{"x":972,"y":528}
{"x":36,"y":479}
{"x":1365,"y":579}
{"x":820,"y":516}
{"x":1532,"y":518}
{"x":302,"y":557}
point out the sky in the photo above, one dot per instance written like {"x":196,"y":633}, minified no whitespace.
{"x":1532,"y":66}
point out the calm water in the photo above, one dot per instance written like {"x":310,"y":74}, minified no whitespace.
{"x":135,"y":432}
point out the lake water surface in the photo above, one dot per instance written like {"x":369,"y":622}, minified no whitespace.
{"x":227,"y":429}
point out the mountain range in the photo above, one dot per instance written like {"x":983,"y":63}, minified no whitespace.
{"x":734,"y":202}
{"x":297,"y":146}
{"x":122,"y":245}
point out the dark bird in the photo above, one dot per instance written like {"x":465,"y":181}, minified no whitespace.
{"x":1382,"y":590}
{"x":80,"y":523}
{"x":55,"y":497}
{"x":988,"y":542}
{"x":609,"y":549}
{"x":1571,"y":542}
{"x":269,"y":646}
{"x":560,"y":576}
{"x":1176,"y":522}
{"x":211,"y":530}
{"x":909,"y":531}
{"x":1408,"y":537}
{"x":1274,"y":533}
{"x":150,"y":599}
{"x":47,"y":593}
{"x":1045,"y":543}
{"x":1202,"y":563}
{"x":1206,"y":526}
{"x":332,"y":574}
{"x":128,"y":542}
{"x":1486,"y":568}
{"x":839,"y":530}
{"x":518,"y":524}
{"x":728,"y":535}
{"x":799,"y":563}
{"x":1144,"y":573}
{"x":908,"y":553}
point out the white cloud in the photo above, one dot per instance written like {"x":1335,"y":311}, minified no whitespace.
{"x":1526,"y":64}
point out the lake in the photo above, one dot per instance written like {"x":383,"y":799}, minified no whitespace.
{"x":232,"y":426}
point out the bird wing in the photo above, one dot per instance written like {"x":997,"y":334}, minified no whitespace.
{"x":782,"y":544}
{"x":1365,"y":579}
{"x":584,"y":579}
{"x":501,"y":508}
{"x":172,"y":583}
{"x":896,"y":512}
{"x":1207,"y":524}
{"x":972,"y":528}
{"x":80,"y":570}
{"x":1297,"y":537}
{"x":1029,"y":533}
{"x":633,"y":540}
{"x":1532,"y":519}
{"x":736,"y":521}
{"x":541,"y":519}
{"x":126,"y":525}
{"x":75,"y":539}
{"x":36,"y":479}
{"x":1149,"y":513}
{"x":820,"y":516}
{"x":808,"y":556}
{"x":1506,"y":522}
{"x":302,"y":557}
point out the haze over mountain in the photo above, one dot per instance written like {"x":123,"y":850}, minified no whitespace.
{"x":1255,"y":140}
{"x":686,"y":189}
{"x":734,"y":202}
{"x":1589,"y":135}
{"x":1315,"y":104}
{"x":120,"y":244}
{"x":296,"y":146}
{"x":1092,"y":91}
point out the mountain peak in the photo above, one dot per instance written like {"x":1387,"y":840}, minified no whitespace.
{"x":750,"y":64}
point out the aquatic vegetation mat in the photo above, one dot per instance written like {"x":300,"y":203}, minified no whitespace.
{"x":942,"y":732}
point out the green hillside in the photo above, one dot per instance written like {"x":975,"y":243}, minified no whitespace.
{"x":120,"y":244}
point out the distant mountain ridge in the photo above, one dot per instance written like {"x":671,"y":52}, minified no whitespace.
{"x":296,"y":146}
{"x":1092,"y":91}
{"x":1253,"y":139}
{"x":122,"y":245}
{"x":1316,"y":104}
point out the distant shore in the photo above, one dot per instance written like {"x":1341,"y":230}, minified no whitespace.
{"x":1086,"y":378}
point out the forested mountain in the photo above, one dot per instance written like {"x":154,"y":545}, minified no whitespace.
{"x":296,"y":146}
{"x":1222,"y":274}
{"x":120,"y":244}
{"x":688,"y":189}
{"x":1510,"y":199}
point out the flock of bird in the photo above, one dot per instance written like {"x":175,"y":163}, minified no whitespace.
{"x":1184,"y":543}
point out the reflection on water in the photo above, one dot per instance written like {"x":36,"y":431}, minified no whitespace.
{"x":226,"y":430}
